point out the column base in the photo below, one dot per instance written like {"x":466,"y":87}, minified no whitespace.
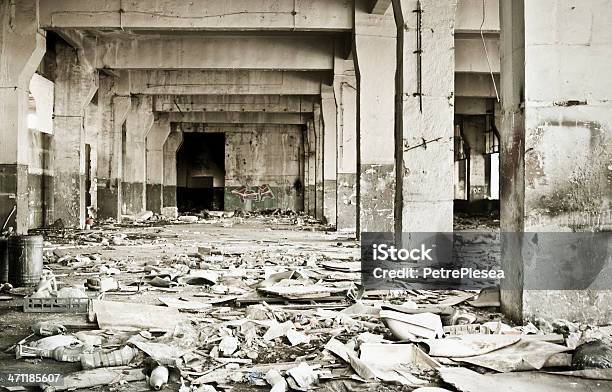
{"x":169,"y":193}
{"x":14,"y":192}
{"x":69,"y":199}
{"x":347,"y":201}
{"x":109,"y":199}
{"x":319,"y":202}
{"x":309,"y":204}
{"x":377,"y":198}
{"x":132,"y":197}
{"x":40,"y":205}
{"x":330,"y":189}
{"x":154,"y":198}
{"x":581,"y":306}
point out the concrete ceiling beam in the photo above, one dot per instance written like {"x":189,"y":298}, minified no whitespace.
{"x":470,"y":54}
{"x":300,"y":53}
{"x":226,"y":82}
{"x":470,"y":16}
{"x":202,"y":15}
{"x":476,"y":85}
{"x":380,"y":7}
{"x":235,"y":103}
{"x":240,"y":118}
{"x":245,"y":128}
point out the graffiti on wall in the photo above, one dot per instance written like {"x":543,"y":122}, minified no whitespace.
{"x":257,"y":193}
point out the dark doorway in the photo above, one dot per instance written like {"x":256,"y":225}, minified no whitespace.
{"x":476,"y":204}
{"x":201,"y":172}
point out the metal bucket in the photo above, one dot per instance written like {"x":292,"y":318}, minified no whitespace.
{"x":25,"y":260}
{"x":4,"y":260}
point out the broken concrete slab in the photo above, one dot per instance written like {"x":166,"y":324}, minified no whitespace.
{"x":135,"y":317}
{"x":522,"y":356}
{"x":466,"y":380}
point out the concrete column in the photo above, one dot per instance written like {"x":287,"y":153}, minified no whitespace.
{"x":345,"y":91}
{"x":115,"y":103}
{"x":93,"y":124}
{"x":555,"y":152}
{"x":76,"y":82}
{"x":425,"y":119}
{"x":319,"y":160}
{"x":155,"y":161}
{"x":22,"y":46}
{"x":310,"y":169}
{"x":137,"y":124}
{"x":173,"y":143}
{"x":375,"y":62}
{"x":473,"y":130}
{"x":328,"y":111}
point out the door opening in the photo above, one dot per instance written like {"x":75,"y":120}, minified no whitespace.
{"x":201,"y":172}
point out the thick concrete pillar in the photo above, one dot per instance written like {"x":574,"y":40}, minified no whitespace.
{"x":556,"y":133}
{"x":319,"y":161}
{"x":155,"y":161}
{"x":76,"y":82}
{"x":375,"y":62}
{"x":22,"y":46}
{"x":310,"y":143}
{"x":345,"y":91}
{"x":173,"y":143}
{"x":328,"y":112}
{"x":115,"y":103}
{"x":425,"y":115}
{"x":137,"y":125}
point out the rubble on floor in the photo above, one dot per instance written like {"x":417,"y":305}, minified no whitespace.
{"x":476,"y":222}
{"x":208,"y":308}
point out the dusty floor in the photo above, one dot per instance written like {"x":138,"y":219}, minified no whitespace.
{"x":243,"y":253}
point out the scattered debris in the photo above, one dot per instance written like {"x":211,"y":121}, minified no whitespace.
{"x":205,"y":309}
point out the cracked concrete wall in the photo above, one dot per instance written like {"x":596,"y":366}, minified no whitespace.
{"x":556,"y":168}
{"x":262,"y":169}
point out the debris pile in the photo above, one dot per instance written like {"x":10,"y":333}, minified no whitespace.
{"x":222,"y":309}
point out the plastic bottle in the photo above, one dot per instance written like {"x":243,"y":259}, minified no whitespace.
{"x":159,"y":377}
{"x":68,"y":354}
{"x":98,"y":359}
